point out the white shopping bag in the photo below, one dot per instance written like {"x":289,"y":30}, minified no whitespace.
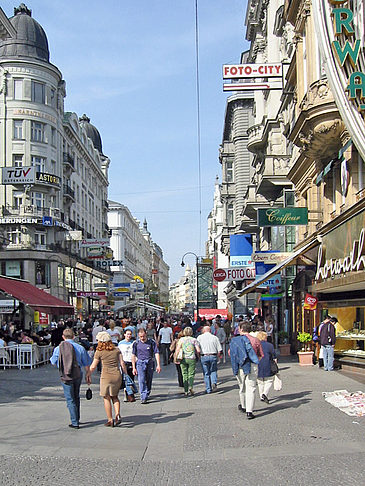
{"x":278,"y":384}
{"x":320,"y":356}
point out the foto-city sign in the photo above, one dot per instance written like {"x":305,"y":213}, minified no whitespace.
{"x":282,"y":217}
{"x":266,"y":257}
{"x":230,"y":274}
{"x":239,"y":71}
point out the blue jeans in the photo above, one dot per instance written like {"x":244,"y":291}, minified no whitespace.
{"x":72,"y":395}
{"x":145,"y":368}
{"x":209,"y":365}
{"x":328,"y":357}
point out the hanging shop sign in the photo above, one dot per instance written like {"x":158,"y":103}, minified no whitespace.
{"x":240,"y":250}
{"x":7,"y":306}
{"x":105,"y":264}
{"x":94,"y":242}
{"x":239,"y":71}
{"x":121,"y":289}
{"x":91,"y":294}
{"x":18,"y":175}
{"x":282,"y":217}
{"x":93,"y":252}
{"x":268,"y":257}
{"x":230,"y":274}
{"x":310,"y":302}
{"x":20,"y":220}
{"x":271,"y":71}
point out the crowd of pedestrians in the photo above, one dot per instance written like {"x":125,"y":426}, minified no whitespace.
{"x":125,"y":349}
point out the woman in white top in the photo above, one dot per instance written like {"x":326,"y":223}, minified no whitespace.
{"x":113,"y":332}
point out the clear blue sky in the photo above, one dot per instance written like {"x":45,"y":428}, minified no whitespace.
{"x":130,"y":66}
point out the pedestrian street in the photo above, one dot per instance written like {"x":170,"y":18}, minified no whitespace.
{"x":174,"y":440}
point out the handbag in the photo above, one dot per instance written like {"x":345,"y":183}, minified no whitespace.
{"x":180,"y":355}
{"x":274,"y":368}
{"x":89,"y":394}
{"x":278,"y":384}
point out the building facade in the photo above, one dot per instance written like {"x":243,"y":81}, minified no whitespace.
{"x":54,"y":174}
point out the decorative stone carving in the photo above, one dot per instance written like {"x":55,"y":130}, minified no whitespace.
{"x":318,"y":93}
{"x":322,"y":138}
{"x":4,"y":81}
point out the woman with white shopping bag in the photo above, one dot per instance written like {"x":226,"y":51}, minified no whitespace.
{"x":267,"y":368}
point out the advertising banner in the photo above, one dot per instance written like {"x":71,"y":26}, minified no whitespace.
{"x":268,"y":257}
{"x":18,"y":175}
{"x":239,"y":71}
{"x":240,"y":250}
{"x":310,"y":302}
{"x":94,"y":242}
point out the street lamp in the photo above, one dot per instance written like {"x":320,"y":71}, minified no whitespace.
{"x":197,"y":280}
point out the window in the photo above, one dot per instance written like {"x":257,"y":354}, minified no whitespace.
{"x":39,"y":163}
{"x":18,"y":89}
{"x":38,"y":92}
{"x":52,"y":97}
{"x":53,"y":136}
{"x":40,"y":238}
{"x":17,"y":160}
{"x":18,"y":129}
{"x":229,"y":172}
{"x":42,"y":273}
{"x":37,"y":131}
{"x":289,"y":198}
{"x":17,"y":199}
{"x":38,"y":200}
{"x":230,"y":214}
{"x":14,"y":235}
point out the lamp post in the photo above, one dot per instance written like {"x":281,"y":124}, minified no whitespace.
{"x":197,"y":280}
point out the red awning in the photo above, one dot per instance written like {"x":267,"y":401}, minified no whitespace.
{"x":36,"y":298}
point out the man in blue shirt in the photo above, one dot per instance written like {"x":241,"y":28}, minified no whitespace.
{"x":143,"y":352}
{"x":71,"y":384}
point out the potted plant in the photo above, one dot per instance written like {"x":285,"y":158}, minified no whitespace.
{"x":284,"y":346}
{"x":305,"y":355}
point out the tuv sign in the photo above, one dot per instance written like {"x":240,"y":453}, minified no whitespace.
{"x":18,"y":175}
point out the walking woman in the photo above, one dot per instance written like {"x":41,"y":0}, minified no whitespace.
{"x":265,"y":376}
{"x":111,"y":378}
{"x":190,"y":352}
{"x":173,"y":357}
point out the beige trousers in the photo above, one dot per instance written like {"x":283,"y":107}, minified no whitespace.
{"x":265,"y":384}
{"x":247,"y":387}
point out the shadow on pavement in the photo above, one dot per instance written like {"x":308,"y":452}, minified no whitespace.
{"x":277,"y":408}
{"x":162,"y":418}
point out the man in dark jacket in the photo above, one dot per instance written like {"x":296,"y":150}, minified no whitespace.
{"x":244,"y":362}
{"x":327,"y":338}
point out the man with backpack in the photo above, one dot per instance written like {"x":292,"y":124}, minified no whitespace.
{"x":70,"y":357}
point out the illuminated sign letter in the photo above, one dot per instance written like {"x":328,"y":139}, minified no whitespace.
{"x":343,"y":19}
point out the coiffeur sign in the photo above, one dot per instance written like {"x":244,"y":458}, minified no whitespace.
{"x":282,"y":216}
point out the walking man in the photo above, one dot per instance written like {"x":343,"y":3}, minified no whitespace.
{"x":210,"y":350}
{"x":327,"y":338}
{"x":70,"y":357}
{"x":245,"y":352}
{"x":143,"y":352}
{"x":164,"y":342}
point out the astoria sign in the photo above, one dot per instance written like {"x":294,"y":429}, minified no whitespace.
{"x":353,"y":262}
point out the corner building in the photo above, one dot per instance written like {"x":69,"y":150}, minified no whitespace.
{"x":54,"y":174}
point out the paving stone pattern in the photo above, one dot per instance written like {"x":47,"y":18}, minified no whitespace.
{"x":298,"y":439}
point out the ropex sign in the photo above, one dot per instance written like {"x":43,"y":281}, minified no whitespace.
{"x":18,"y":175}
{"x":282,"y":217}
{"x":239,"y":71}
{"x":230,"y":274}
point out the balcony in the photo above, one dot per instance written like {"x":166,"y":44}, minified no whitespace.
{"x":26,"y":211}
{"x":68,"y":193}
{"x":68,"y":160}
{"x":255,"y":138}
{"x":272,"y":176}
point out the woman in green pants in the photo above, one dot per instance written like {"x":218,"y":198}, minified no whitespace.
{"x":189,"y":349}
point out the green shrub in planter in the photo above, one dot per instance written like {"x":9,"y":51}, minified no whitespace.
{"x":304,"y":338}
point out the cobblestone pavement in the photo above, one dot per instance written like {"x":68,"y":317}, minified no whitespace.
{"x":298,"y":439}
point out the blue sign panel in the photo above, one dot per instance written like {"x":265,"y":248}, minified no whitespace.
{"x":47,"y":221}
{"x":240,"y":250}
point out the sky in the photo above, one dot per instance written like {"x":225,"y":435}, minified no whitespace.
{"x":131,"y":67}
